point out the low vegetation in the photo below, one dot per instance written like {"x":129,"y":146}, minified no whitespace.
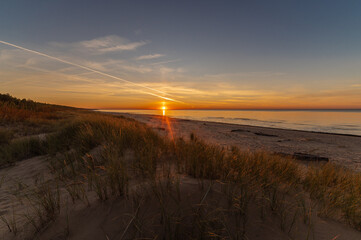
{"x":336,"y":190}
{"x":119,"y":159}
{"x":20,"y":149}
{"x":13,"y":109}
{"x":21,"y":117}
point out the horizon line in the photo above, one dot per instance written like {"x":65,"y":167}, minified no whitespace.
{"x":235,"y":109}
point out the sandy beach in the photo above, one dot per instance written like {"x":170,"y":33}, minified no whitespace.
{"x":344,"y":150}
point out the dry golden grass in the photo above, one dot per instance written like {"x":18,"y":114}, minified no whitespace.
{"x":256,"y":174}
{"x":336,"y":189}
{"x":13,"y":110}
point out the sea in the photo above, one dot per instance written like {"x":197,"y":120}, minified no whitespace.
{"x":328,"y":121}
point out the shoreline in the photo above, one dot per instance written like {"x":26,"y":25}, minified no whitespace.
{"x":342,"y":149}
{"x":277,"y":128}
{"x":245,"y":125}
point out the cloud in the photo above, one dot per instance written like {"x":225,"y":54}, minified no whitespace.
{"x":166,"y":70}
{"x":123,"y":47}
{"x":14,"y":56}
{"x":104,"y":65}
{"x":150,"y":56}
{"x":6,"y":54}
{"x":138,"y":69}
{"x":97,"y":46}
{"x":246,"y":75}
{"x":165,"y":62}
{"x":111,"y":44}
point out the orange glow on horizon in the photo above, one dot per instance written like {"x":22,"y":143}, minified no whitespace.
{"x":112,"y":103}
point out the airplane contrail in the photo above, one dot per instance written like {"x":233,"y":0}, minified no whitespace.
{"x":95,"y":71}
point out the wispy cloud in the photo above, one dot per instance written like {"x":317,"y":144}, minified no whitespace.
{"x":166,"y":70}
{"x":111,"y":44}
{"x":102,"y":45}
{"x":150,"y":56}
{"x":246,"y":74}
{"x":123,"y":47}
{"x":165,"y":62}
{"x":138,"y":69}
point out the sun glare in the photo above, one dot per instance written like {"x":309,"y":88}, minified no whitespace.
{"x":164,"y":108}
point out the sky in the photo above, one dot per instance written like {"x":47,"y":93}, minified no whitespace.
{"x":184,"y":54}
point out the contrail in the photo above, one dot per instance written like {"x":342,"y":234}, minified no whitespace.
{"x":95,"y":71}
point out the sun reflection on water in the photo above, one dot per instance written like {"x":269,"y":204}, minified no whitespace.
{"x":164,"y":108}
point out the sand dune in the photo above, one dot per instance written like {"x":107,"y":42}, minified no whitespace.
{"x":183,"y":199}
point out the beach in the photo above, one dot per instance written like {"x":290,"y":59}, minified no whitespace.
{"x":133,"y":176}
{"x":344,"y":150}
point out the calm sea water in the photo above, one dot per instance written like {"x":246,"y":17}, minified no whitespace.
{"x":333,"y":121}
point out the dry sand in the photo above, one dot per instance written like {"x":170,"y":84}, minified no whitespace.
{"x":109,"y":220}
{"x":14,"y":182}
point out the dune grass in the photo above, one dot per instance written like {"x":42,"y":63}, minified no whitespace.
{"x":20,"y":149}
{"x":337,"y":190}
{"x":129,"y":150}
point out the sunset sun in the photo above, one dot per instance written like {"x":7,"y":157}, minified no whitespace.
{"x":164,"y":108}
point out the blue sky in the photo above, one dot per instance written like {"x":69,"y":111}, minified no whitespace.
{"x":208,"y":54}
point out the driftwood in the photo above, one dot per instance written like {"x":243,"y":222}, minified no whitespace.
{"x":265,"y":134}
{"x":304,"y":156}
{"x":257,"y":133}
{"x":309,"y":157}
{"x":239,"y":130}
